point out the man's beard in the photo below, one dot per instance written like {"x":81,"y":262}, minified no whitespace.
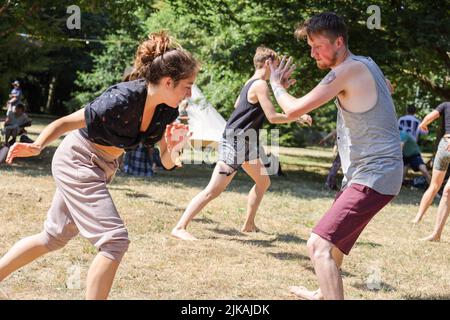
{"x":330,"y":64}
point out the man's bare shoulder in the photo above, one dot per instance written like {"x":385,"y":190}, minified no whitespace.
{"x":350,"y":71}
{"x":350,"y":66}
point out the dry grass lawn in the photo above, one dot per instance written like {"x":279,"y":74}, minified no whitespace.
{"x":225,"y":263}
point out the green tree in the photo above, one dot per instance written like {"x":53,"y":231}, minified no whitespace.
{"x":411,"y":48}
{"x":37,"y":47}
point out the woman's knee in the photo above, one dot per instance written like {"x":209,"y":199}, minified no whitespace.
{"x":51,"y":242}
{"x":116,"y":245}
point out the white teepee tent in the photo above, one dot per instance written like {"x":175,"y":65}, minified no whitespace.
{"x":206,"y":124}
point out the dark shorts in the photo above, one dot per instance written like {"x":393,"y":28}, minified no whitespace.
{"x":351,"y":211}
{"x":413,"y":161}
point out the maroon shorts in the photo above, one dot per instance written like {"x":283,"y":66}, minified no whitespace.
{"x":351,"y":211}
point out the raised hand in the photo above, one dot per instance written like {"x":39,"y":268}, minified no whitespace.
{"x":280,"y":74}
{"x":22,"y":150}
{"x":176,"y":135}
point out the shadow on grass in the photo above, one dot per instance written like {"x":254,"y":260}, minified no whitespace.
{"x":120,"y":189}
{"x":347,"y":274}
{"x":427,"y":297}
{"x":227,"y":232}
{"x":288,"y":256}
{"x":382,"y":286}
{"x":137,"y":195}
{"x":270,"y":242}
{"x":290,"y":238}
{"x":256,"y":243}
{"x":306,"y":261}
{"x":368,"y":244}
{"x":308,"y":267}
{"x":169,"y":204}
{"x":204,"y":220}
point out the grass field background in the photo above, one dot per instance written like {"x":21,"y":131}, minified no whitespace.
{"x":388,"y":261}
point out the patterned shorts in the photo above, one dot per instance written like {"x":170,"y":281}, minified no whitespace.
{"x":442,"y":157}
{"x":234,"y":151}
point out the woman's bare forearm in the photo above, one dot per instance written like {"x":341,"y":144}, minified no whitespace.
{"x":59,"y":127}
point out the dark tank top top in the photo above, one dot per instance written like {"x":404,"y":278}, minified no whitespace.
{"x":246,"y":115}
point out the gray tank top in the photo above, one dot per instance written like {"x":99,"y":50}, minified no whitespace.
{"x":369,"y":142}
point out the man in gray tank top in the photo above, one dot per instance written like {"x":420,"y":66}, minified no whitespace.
{"x":368,"y":141}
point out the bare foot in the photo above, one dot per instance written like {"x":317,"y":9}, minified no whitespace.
{"x":431,"y":238}
{"x":415,"y":221}
{"x":305,"y":294}
{"x":182,"y":234}
{"x":251,"y":228}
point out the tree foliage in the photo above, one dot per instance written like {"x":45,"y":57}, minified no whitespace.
{"x":411,"y":47}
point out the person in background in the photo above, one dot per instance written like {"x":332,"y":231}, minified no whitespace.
{"x":15,"y":124}
{"x":410,"y":124}
{"x":440,"y":167}
{"x":15,"y":97}
{"x":412,"y":157}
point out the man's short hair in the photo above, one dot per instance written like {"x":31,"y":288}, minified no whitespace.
{"x":16,"y":82}
{"x":411,"y":109}
{"x":262,"y":54}
{"x":327,"y":24}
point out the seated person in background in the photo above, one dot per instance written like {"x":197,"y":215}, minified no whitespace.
{"x":15,"y":124}
{"x":412,"y":157}
{"x":410,"y":124}
{"x":142,"y":161}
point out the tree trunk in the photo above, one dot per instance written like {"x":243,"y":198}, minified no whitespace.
{"x":51,"y":94}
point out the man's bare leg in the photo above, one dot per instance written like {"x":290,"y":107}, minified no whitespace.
{"x":219,"y":181}
{"x":100,"y":277}
{"x":442,"y":215}
{"x":329,"y":275}
{"x":306,"y":294}
{"x":256,"y":171}
{"x":437,"y":179}
{"x":22,"y":253}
